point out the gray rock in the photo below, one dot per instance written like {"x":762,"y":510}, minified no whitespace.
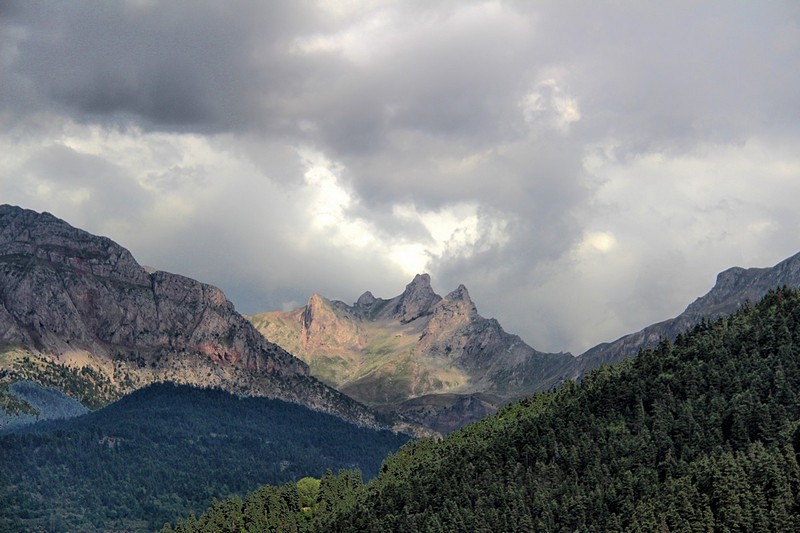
{"x":79,"y":298}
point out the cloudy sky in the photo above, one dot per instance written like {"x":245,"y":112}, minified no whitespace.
{"x":585,"y":168}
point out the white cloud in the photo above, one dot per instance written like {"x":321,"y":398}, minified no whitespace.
{"x":599,"y":241}
{"x":457,"y":229}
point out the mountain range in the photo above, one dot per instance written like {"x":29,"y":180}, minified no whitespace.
{"x":78,"y":313}
{"x":433,"y":359}
{"x":699,"y":434}
{"x":436,"y":361}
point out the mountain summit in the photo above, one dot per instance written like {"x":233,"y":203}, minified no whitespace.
{"x":417,"y":353}
{"x":75,"y":304}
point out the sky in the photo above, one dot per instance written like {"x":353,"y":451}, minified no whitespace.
{"x":584,"y":168}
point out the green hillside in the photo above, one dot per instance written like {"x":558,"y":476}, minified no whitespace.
{"x":165,"y":451}
{"x":697,"y":435}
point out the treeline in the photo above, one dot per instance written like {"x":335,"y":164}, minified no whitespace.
{"x":166,"y":451}
{"x":307,"y":505}
{"x":697,"y":435}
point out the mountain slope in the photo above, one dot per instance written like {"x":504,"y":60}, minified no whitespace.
{"x":165,"y":451}
{"x":733,"y":288}
{"x":415,"y":345}
{"x":74,"y":302}
{"x":699,"y":435}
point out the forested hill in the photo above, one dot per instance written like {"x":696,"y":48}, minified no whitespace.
{"x":696,"y":435}
{"x":165,"y":451}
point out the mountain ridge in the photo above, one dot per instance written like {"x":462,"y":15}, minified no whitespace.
{"x":700,"y":434}
{"x":75,"y":299}
{"x":450,"y":330}
{"x":166,"y":450}
{"x":732,"y":288}
{"x":385,"y":352}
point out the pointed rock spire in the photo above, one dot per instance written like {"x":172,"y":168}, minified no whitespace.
{"x":417,"y":300}
{"x":459,"y":302}
{"x":365,"y":300}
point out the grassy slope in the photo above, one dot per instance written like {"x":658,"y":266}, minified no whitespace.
{"x":384,"y":370}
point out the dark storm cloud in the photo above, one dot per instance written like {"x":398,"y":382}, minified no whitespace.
{"x":186,"y":65}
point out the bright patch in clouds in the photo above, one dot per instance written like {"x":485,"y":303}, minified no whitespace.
{"x":453,"y":229}
{"x":600,"y":241}
{"x":548,"y":104}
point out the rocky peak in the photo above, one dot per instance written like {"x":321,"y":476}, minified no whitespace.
{"x":460,"y":294}
{"x":328,"y":325}
{"x":365,"y":300}
{"x":317,"y":312}
{"x":41,"y":236}
{"x":456,"y":304}
{"x":417,"y":300}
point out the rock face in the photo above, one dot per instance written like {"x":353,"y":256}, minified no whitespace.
{"x":732,"y":289}
{"x":83,"y":300}
{"x":416,"y":301}
{"x":417,"y":346}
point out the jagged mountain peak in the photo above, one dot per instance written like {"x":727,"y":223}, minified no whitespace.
{"x":316,"y":300}
{"x":457,"y":306}
{"x":365,"y":300}
{"x":423,"y":279}
{"x":318,"y":315}
{"x":417,"y":300}
{"x":383,"y":352}
{"x":461,"y":293}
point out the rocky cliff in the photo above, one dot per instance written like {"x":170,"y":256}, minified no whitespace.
{"x":82,"y":301}
{"x":417,"y":345}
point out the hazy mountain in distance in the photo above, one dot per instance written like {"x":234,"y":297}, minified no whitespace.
{"x":732,"y":289}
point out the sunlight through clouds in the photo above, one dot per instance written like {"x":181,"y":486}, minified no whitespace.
{"x":453,"y":229}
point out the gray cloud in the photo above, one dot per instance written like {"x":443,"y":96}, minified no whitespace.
{"x":595,"y":163}
{"x":177,"y":65}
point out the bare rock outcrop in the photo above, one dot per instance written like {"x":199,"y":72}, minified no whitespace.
{"x":416,"y":346}
{"x":84,"y":300}
{"x":417,"y":300}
